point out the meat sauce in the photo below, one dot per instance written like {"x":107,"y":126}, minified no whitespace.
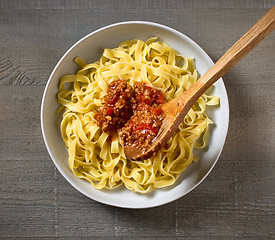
{"x":117,"y":108}
{"x":137,"y":112}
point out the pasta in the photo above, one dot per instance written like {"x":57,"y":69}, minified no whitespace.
{"x":92,"y":156}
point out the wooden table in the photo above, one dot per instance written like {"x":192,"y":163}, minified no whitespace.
{"x":237,"y":199}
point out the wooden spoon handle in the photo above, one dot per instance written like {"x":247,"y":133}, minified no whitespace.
{"x":243,"y":46}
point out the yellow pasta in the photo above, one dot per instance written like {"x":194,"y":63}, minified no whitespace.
{"x":102,"y":162}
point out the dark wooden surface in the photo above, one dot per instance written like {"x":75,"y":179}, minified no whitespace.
{"x":237,"y":199}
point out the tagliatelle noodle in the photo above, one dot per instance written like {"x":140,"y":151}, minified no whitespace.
{"x":102,"y":162}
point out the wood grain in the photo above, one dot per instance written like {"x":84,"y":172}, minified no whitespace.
{"x":237,"y":199}
{"x":134,"y":4}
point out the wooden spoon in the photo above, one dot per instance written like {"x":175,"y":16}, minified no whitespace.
{"x":176,"y":109}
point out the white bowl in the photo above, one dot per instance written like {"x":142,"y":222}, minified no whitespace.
{"x":90,"y":48}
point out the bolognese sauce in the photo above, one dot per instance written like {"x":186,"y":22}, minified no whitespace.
{"x":136,"y":111}
{"x":147,"y":117}
{"x":117,"y":108}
